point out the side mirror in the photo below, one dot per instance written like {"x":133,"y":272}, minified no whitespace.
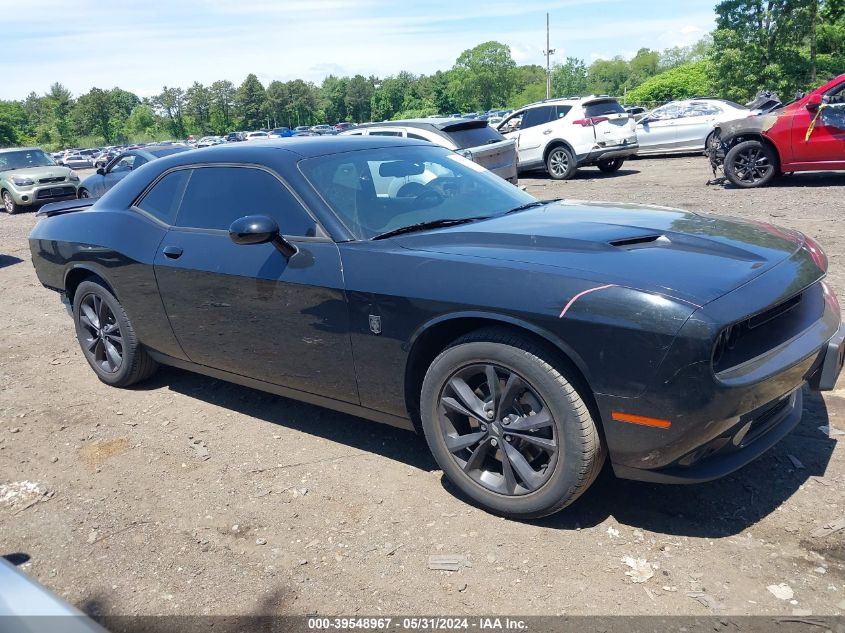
{"x":101,"y":171}
{"x":814,"y":102}
{"x":260,"y":229}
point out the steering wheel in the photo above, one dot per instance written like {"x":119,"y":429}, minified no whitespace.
{"x":428,"y":198}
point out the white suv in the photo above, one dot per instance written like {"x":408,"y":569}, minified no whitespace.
{"x":562,"y":135}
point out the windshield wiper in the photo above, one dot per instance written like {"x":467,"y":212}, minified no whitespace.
{"x":531,"y":205}
{"x":430,"y":224}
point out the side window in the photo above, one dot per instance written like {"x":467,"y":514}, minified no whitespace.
{"x":125,"y":163}
{"x":139,"y":160}
{"x":666,"y":113}
{"x":700,"y":109}
{"x":163,"y":199}
{"x":417,"y":137}
{"x":561,"y":111}
{"x":538,"y":116}
{"x":217,"y":196}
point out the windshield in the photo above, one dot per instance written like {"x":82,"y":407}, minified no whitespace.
{"x":375,"y":191}
{"x":24,"y":158}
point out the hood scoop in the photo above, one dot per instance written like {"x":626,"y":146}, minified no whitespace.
{"x":640,"y":241}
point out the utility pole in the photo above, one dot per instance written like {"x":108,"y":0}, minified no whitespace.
{"x":548,"y":53}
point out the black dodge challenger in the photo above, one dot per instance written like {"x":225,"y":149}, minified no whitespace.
{"x":400,"y":282}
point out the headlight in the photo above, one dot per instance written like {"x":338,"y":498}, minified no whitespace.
{"x":73,"y":175}
{"x":22,"y":181}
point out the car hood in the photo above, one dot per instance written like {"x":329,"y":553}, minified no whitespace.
{"x":51,"y":171}
{"x":688,"y":256}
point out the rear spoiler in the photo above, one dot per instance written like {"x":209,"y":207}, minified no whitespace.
{"x":66,"y":206}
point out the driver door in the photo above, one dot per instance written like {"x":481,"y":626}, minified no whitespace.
{"x":658,"y":130}
{"x":826,"y":145}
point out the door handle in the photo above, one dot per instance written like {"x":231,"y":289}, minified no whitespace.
{"x":173,"y":252}
{"x":547,"y":131}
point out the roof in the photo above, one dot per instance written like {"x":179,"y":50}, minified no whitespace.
{"x":443,"y":124}
{"x":304,"y":146}
{"x":19,"y":149}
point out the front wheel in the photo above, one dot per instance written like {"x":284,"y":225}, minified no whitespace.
{"x":750,"y":164}
{"x":9,"y":203}
{"x":611,"y":165}
{"x":107,"y":337}
{"x":507,"y":427}
{"x":83,"y":193}
{"x":560,"y":163}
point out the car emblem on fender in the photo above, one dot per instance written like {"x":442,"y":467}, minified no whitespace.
{"x":375,"y":324}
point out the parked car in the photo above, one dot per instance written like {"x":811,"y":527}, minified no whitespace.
{"x":302,"y":128}
{"x":322,"y":128}
{"x":684,"y":126}
{"x":633,"y":110}
{"x":342,"y":127}
{"x":235,"y":137}
{"x":119,"y":167}
{"x":805,"y":135}
{"x":562,"y":135}
{"x":78,"y":161}
{"x":103,"y":159}
{"x":527,"y":340}
{"x":281,"y":132}
{"x":30,"y":177}
{"x":258,"y":135}
{"x":209,"y":141}
{"x":473,"y":139}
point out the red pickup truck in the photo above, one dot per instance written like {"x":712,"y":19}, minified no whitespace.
{"x":805,"y":135}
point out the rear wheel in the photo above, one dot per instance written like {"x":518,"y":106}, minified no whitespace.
{"x":507,"y":427}
{"x":560,"y":163}
{"x":611,"y":165}
{"x":750,"y":164}
{"x":83,"y":193}
{"x":9,"y":203}
{"x":107,"y":338}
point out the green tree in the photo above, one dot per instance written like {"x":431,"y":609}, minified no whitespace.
{"x":333,"y":98}
{"x":222,"y":105}
{"x":93,"y":115}
{"x":277,"y":101}
{"x":59,"y":102}
{"x":682,"y":82}
{"x":198,"y":107}
{"x":14,"y":121}
{"x":607,"y":76}
{"x":569,"y":79}
{"x":302,"y":103}
{"x":250,"y":101}
{"x":170,"y":102}
{"x":483,"y":77}
{"x":359,"y":93}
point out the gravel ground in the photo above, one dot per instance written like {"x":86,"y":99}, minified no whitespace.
{"x":188,"y":495}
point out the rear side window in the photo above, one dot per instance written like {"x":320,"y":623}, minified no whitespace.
{"x":217,"y":196}
{"x":163,"y":199}
{"x":599,"y":108}
{"x":538,"y":116}
{"x":474,"y":136}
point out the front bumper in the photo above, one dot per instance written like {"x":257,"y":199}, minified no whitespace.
{"x":42,"y":194}
{"x":831,"y":366}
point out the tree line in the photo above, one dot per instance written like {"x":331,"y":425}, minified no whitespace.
{"x":781,"y":45}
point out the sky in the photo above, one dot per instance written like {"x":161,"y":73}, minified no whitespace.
{"x":144,"y":45}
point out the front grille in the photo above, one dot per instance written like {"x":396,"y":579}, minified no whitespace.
{"x":55,"y":192}
{"x":44,"y":181}
{"x":763,"y":422}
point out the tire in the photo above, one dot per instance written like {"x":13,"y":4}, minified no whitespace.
{"x":563,"y":450}
{"x":751,"y":164}
{"x":707,"y":142}
{"x":560,"y":163}
{"x":92,"y":305}
{"x":83,"y":193}
{"x":9,"y":203}
{"x":610,"y":166}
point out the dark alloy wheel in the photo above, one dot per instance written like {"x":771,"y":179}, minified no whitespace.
{"x":498,"y":429}
{"x":83,"y":193}
{"x":9,"y":203}
{"x":611,"y":165}
{"x":750,"y":164}
{"x":103,"y":345}
{"x":507,"y":427}
{"x":560,"y":163}
{"x":107,"y":337}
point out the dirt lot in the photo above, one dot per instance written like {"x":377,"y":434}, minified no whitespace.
{"x":193,"y":496}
